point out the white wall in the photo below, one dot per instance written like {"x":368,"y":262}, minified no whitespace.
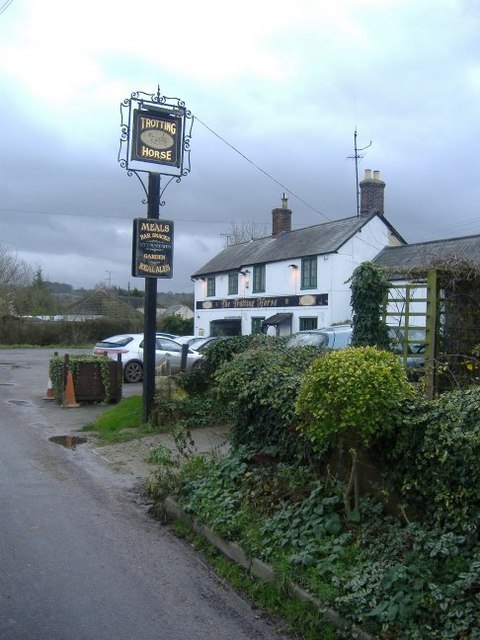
{"x":334,"y":271}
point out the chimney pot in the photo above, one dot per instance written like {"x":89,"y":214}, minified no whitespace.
{"x":281,"y":218}
{"x":372,"y":194}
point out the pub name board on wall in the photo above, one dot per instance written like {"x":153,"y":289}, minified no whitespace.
{"x":263,"y":302}
{"x":157,"y":137}
{"x":152,"y":255}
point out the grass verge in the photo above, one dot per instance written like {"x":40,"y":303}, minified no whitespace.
{"x":121,"y":423}
{"x":299,"y":619}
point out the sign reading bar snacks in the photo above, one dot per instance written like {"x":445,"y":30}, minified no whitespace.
{"x":157,"y":137}
{"x":152,"y":248}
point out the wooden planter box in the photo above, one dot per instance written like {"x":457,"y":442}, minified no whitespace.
{"x":89,"y":385}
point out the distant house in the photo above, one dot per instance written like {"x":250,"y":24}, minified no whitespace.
{"x":180,"y":310}
{"x":292,"y":280}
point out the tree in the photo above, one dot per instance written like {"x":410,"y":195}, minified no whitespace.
{"x":14,"y":274}
{"x":36,"y":299}
{"x":244,"y":232}
{"x":171,"y":323}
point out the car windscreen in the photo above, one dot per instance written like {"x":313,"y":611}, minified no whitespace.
{"x":117,"y":341}
{"x":308,"y":340}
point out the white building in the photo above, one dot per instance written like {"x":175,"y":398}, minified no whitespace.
{"x":292,"y":280}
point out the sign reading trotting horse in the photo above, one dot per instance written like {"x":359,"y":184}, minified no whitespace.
{"x":157,"y":137}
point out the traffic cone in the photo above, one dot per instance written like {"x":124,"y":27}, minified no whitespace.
{"x":50,"y":395}
{"x":69,"y":400}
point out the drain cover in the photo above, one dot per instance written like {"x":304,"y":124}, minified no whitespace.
{"x":70,"y":442}
{"x":19,"y":402}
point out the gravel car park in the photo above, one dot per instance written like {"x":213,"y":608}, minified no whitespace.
{"x":130,"y":348}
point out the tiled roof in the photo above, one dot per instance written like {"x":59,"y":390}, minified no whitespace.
{"x":316,"y":240}
{"x":102,"y":303}
{"x":423,"y":254}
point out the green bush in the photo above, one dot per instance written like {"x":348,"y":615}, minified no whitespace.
{"x":223,"y":350}
{"x":436,"y":456}
{"x":172,"y":323}
{"x":356,"y":389}
{"x":261,"y":385}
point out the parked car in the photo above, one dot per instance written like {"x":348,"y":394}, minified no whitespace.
{"x":130,"y":348}
{"x":415,"y":356}
{"x":339,"y":337}
{"x":184,"y":339}
{"x":336,"y":337}
{"x":199,"y":343}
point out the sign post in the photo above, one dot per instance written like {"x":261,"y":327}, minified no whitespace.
{"x":153,"y":134}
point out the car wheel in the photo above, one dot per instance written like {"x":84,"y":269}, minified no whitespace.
{"x":133,"y":371}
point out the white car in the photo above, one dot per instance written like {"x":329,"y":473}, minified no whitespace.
{"x":130,"y":348}
{"x":336,"y":337}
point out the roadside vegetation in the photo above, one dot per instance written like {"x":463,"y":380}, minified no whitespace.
{"x":119,"y":423}
{"x":344,"y":478}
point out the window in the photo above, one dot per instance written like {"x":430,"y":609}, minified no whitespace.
{"x":307,"y":324}
{"x":258,"y":278}
{"x":257,"y":324}
{"x":211,"y":286}
{"x":164,"y":344}
{"x":232,"y":283}
{"x":309,"y":272}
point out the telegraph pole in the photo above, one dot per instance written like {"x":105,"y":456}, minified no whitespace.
{"x":356,"y":156}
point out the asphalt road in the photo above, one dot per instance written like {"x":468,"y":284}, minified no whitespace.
{"x":79,"y":557}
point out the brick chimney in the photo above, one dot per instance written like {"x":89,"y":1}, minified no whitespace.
{"x":281,"y":218}
{"x":371,"y":193}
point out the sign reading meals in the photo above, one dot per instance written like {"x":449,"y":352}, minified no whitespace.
{"x":152,"y":248}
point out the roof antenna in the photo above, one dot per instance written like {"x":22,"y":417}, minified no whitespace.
{"x":356,"y":157}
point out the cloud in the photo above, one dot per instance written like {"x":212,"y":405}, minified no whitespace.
{"x":277,"y":90}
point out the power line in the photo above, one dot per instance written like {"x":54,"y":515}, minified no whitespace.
{"x":5,"y":6}
{"x":265,"y":173}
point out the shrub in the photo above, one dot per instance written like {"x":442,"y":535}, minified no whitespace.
{"x":223,"y":350}
{"x":355,"y":389}
{"x":436,"y":459}
{"x":261,"y":385}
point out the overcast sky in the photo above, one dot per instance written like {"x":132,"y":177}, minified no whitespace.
{"x":283,"y":83}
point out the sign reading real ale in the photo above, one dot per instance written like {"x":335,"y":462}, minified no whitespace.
{"x":152,"y":248}
{"x":157,"y":137}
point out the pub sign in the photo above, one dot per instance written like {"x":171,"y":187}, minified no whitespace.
{"x":157,"y":137}
{"x":152,"y":255}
